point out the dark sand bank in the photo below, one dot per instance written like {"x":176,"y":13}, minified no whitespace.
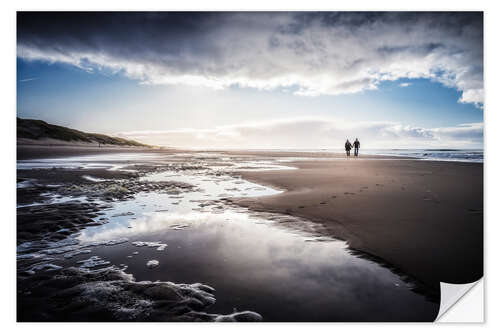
{"x":423,"y":217}
{"x":44,"y":151}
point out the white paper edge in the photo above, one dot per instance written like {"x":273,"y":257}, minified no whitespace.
{"x":461,"y":303}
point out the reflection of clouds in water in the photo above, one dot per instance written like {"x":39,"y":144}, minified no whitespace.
{"x":153,"y":222}
{"x":282,"y":264}
{"x":262,"y":257}
{"x":232,"y":236}
{"x":270,"y":259}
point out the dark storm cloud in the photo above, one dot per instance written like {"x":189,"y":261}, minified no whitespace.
{"x":320,"y":53}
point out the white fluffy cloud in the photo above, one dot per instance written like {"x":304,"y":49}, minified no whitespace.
{"x":310,"y":133}
{"x":310,"y":53}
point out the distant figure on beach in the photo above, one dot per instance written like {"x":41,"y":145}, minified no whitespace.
{"x":348,"y":147}
{"x":357,"y":145}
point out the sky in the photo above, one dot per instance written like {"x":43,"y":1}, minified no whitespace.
{"x":260,"y":80}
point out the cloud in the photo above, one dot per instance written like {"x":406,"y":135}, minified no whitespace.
{"x":405,"y":84}
{"x":326,"y":53}
{"x":309,"y":133}
{"x":28,"y":79}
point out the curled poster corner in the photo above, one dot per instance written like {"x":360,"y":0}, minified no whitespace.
{"x":451,"y":295}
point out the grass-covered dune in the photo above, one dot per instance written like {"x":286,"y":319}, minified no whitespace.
{"x":32,"y":129}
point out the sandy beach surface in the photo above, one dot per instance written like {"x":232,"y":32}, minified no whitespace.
{"x":60,"y":151}
{"x":423,"y":217}
{"x":260,"y":231}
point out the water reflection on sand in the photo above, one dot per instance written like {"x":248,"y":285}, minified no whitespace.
{"x":275,"y":265}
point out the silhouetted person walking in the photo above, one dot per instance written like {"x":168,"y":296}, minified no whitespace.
{"x":348,"y":147}
{"x":357,"y":145}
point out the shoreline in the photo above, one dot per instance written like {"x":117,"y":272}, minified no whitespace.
{"x":413,"y":214}
{"x":424,"y":218}
{"x":359,"y":274}
{"x":44,"y":150}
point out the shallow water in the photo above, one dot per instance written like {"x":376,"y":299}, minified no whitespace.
{"x":277,"y":266}
{"x":447,"y":155}
{"x":106,"y":161}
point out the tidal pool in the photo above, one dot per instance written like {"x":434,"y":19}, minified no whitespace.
{"x":253,"y":262}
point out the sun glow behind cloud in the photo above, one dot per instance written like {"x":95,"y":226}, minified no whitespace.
{"x":318,"y":133}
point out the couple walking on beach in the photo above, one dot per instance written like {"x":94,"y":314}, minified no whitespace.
{"x":348,"y":147}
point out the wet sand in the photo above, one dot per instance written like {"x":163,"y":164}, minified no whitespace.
{"x":83,"y":222}
{"x":49,"y":288}
{"x":423,"y":217}
{"x":420,"y":219}
{"x":43,"y":151}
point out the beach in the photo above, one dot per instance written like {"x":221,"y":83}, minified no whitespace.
{"x":32,"y":151}
{"x":241,"y":235}
{"x":203,"y":166}
{"x":424,"y":217}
